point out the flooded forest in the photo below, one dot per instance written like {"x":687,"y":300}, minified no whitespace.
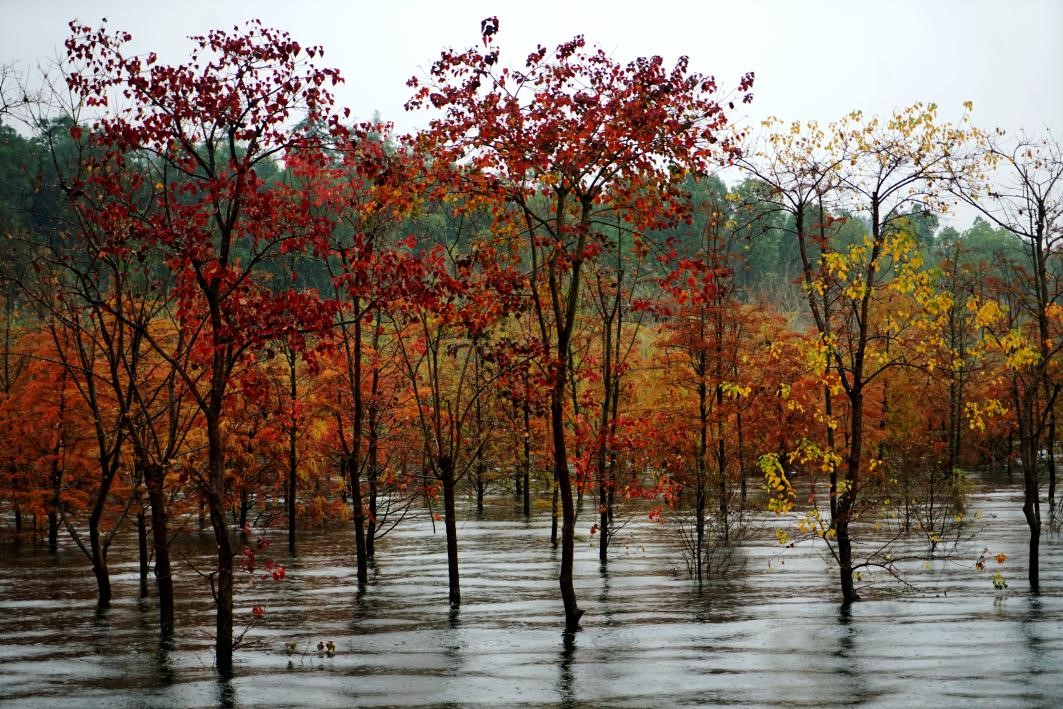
{"x":587,"y":392}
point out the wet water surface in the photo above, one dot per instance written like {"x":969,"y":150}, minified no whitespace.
{"x":771,"y":632}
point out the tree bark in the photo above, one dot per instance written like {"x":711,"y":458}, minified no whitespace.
{"x":568,"y":512}
{"x":154,"y":478}
{"x":1031,"y":504}
{"x":99,"y":563}
{"x":847,"y":497}
{"x":293,"y":393}
{"x":450,"y":523}
{"x":142,"y":546}
{"x":223,"y":578}
{"x":527,"y":456}
{"x":359,"y":520}
{"x":373,"y":444}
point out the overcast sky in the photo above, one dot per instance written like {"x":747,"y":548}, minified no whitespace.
{"x":814,"y":59}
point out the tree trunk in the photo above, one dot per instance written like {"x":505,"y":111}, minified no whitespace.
{"x":54,"y":508}
{"x":846,"y":497}
{"x":359,"y":520}
{"x":293,"y":393}
{"x":446,"y":474}
{"x":142,"y":546}
{"x":354,"y":461}
{"x":1051,"y":445}
{"x":603,"y":516}
{"x":699,"y":531}
{"x":555,"y":513}
{"x":845,"y":562}
{"x":568,"y":512}
{"x":481,"y":486}
{"x":222,"y":583}
{"x":527,"y":458}
{"x":154,"y":478}
{"x":701,"y":473}
{"x":371,"y":487}
{"x":53,"y":531}
{"x":741,"y":460}
{"x":373,"y":444}
{"x":1031,"y":504}
{"x":99,"y":563}
{"x":603,"y":431}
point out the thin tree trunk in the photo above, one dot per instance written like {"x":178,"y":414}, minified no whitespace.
{"x":1031,"y":504}
{"x":54,"y":508}
{"x":1051,"y":445}
{"x":481,"y":488}
{"x":293,"y":393}
{"x":699,"y":531}
{"x":568,"y":513}
{"x":527,"y":457}
{"x":372,"y":474}
{"x":354,"y":462}
{"x":741,"y":459}
{"x":99,"y":563}
{"x":142,"y":546}
{"x":359,"y":520}
{"x":701,"y":473}
{"x":222,"y":583}
{"x":154,"y":476}
{"x":555,"y":513}
{"x":450,"y":523}
{"x":373,"y":443}
{"x":846,"y":498}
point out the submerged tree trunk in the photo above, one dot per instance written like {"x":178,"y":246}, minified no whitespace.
{"x":373,"y":445}
{"x":142,"y":546}
{"x":99,"y":563}
{"x":450,"y":523}
{"x":354,"y":460}
{"x":359,"y":519}
{"x":555,"y":513}
{"x":293,"y":393}
{"x":481,"y":487}
{"x":741,"y":460}
{"x":222,"y":581}
{"x":97,"y":543}
{"x":372,"y":474}
{"x":1051,"y":446}
{"x":699,"y":531}
{"x":526,"y":460}
{"x":154,"y":477}
{"x":701,"y":472}
{"x":845,"y":495}
{"x":1025,"y":404}
{"x":53,"y":518}
{"x":568,"y":513}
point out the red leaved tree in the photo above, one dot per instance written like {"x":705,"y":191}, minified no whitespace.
{"x":570,"y":140}
{"x":202,"y":131}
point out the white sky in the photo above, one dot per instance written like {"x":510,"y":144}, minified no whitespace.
{"x":814,"y":59}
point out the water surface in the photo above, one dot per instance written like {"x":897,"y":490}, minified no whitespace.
{"x":771,"y":632}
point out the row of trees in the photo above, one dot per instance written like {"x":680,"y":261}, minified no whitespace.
{"x":224,"y":299}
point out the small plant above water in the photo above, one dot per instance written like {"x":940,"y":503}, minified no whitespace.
{"x":999,"y":582}
{"x":326,"y":648}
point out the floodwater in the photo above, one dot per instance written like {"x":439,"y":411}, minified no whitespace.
{"x":770,"y":633}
